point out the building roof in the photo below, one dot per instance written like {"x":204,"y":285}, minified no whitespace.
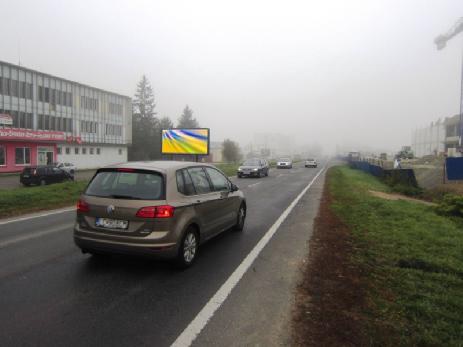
{"x":61,"y":78}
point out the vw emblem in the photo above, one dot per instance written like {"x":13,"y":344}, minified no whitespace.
{"x":110,"y":209}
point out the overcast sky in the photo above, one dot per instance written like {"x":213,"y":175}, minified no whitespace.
{"x":364,"y":73}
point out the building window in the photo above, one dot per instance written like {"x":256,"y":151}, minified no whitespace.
{"x":23,"y":156}
{"x":84,"y":150}
{"x":76,"y":150}
{"x":91,"y":150}
{"x":68,"y":150}
{"x":98,"y":151}
{"x":2,"y":156}
{"x":58,"y":150}
{"x":120,"y":151}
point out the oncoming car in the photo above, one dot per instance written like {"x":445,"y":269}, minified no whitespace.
{"x":253,"y":168}
{"x":164,"y":209}
{"x":284,"y":163}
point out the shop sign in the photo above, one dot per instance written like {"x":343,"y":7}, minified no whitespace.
{"x":31,"y":135}
{"x":6,"y":119}
{"x":76,"y":139}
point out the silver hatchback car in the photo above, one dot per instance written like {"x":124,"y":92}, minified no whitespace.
{"x":161,"y":208}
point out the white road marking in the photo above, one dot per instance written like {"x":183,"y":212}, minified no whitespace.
{"x":187,"y":337}
{"x":49,"y":213}
{"x":35,"y":235}
{"x":254,"y":184}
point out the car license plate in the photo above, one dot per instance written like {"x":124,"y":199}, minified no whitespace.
{"x":111,"y":223}
{"x":26,"y":176}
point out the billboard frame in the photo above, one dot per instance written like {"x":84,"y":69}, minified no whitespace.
{"x":190,"y":154}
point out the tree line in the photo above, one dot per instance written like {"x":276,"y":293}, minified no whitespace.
{"x":147,"y":126}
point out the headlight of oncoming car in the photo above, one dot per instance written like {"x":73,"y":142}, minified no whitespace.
{"x":240,"y":169}
{"x":254,"y":169}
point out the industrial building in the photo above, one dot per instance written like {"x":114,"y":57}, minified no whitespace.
{"x":44,"y":119}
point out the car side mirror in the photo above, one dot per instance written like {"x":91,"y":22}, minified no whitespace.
{"x":234,"y":187}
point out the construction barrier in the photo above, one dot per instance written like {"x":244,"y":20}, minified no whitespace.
{"x":454,"y":168}
{"x":392,"y":177}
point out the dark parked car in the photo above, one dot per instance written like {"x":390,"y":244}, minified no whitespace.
{"x":42,"y":175}
{"x":253,"y":168}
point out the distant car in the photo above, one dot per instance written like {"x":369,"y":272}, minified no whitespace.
{"x":42,"y":175}
{"x":162,"y":209}
{"x":310,"y":163}
{"x":284,"y":163}
{"x":68,"y":167}
{"x":253,"y":168}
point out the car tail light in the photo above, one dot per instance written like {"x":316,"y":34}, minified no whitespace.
{"x":125,"y":170}
{"x":163,"y":211}
{"x":82,"y":206}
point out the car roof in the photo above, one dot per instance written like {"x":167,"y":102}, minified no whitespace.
{"x":160,"y":165}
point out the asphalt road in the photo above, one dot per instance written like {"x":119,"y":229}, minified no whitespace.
{"x":52,"y":295}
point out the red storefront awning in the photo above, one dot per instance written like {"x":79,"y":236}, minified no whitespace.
{"x":31,"y":135}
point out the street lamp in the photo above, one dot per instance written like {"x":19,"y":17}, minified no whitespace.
{"x":441,"y":42}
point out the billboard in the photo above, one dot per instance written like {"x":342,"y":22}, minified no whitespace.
{"x":185,"y":141}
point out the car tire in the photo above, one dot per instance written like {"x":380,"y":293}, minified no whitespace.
{"x":241,"y":218}
{"x":266,"y":174}
{"x":188,"y":249}
{"x":43,"y":182}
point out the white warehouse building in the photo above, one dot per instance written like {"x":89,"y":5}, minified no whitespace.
{"x":44,"y":119}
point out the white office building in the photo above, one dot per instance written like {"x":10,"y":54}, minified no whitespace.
{"x":44,"y":118}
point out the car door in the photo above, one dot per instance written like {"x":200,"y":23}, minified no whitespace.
{"x":227,"y":204}
{"x":206,"y":202}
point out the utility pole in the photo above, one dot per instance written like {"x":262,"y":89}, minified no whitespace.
{"x":441,"y":42}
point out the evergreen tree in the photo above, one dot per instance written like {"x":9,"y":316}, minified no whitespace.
{"x":146,"y":140}
{"x":186,"y":119}
{"x":165,"y":123}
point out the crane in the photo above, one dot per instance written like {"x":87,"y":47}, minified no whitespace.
{"x":441,"y":42}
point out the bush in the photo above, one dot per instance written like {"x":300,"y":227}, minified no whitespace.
{"x":451,"y":205}
{"x":407,"y":190}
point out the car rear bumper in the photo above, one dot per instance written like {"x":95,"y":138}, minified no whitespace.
{"x":89,"y":243}
{"x":284,"y":166}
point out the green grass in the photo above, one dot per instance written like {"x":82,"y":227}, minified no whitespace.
{"x":412,"y":259}
{"x":228,"y":169}
{"x":31,"y":199}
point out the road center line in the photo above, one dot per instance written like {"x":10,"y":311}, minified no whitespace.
{"x":254,"y":184}
{"x":187,"y":337}
{"x":35,"y":235}
{"x":50,"y":213}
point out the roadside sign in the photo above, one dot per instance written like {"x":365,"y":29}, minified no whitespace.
{"x":6,"y":119}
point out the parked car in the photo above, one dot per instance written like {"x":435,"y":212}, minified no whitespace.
{"x":163,"y":209}
{"x":68,"y":167}
{"x":284,"y":163}
{"x":310,"y":163}
{"x":42,"y":175}
{"x":254,"y":168}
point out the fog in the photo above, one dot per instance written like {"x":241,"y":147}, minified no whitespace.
{"x":361,"y":74}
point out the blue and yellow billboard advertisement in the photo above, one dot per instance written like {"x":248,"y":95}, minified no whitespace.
{"x":185,"y":141}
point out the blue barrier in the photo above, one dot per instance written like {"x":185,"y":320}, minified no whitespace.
{"x":391,"y":177}
{"x":454,"y":168}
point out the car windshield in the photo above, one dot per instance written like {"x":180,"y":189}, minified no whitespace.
{"x":127,"y":185}
{"x":251,"y":162}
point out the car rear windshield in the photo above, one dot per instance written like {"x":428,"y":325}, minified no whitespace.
{"x":135,"y":185}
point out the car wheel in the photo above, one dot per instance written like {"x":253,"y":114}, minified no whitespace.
{"x":239,"y":176}
{"x":266,"y":174}
{"x":43,"y":182}
{"x":239,"y":226}
{"x":188,"y":250}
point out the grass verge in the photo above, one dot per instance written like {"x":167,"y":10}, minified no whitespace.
{"x":411,"y":259}
{"x":228,"y":169}
{"x":23,"y":200}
